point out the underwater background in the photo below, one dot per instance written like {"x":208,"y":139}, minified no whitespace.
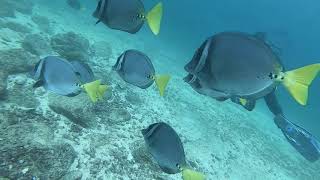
{"x":46,"y":136}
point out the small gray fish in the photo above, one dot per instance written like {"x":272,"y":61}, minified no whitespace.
{"x":165,"y":146}
{"x":127,"y":15}
{"x":57,"y":75}
{"x":135,"y":68}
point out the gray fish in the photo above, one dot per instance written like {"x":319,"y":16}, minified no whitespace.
{"x":165,"y":146}
{"x":127,"y":15}
{"x":136,"y":68}
{"x":234,"y":64}
{"x":57,"y":75}
{"x":244,"y":68}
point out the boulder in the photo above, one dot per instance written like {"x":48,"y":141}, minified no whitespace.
{"x":71,"y":46}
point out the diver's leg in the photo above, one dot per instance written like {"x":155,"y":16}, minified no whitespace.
{"x":299,"y":138}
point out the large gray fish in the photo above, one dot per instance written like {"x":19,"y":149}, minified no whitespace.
{"x":128,"y":15}
{"x":57,"y":75}
{"x":136,"y":68}
{"x":244,"y":68}
{"x":165,"y":146}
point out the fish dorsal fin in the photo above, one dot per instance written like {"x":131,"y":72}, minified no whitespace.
{"x":188,"y":174}
{"x":162,"y":82}
{"x":95,"y":90}
{"x":154,"y":18}
{"x":203,"y":58}
{"x":39,"y":69}
{"x":297,"y":82}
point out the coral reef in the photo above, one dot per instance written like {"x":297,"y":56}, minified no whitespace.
{"x":43,"y":23}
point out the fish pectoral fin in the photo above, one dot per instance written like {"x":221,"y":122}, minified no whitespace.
{"x":95,"y":90}
{"x":39,"y":83}
{"x":154,"y":18}
{"x":188,"y":174}
{"x":297,"y":82}
{"x":162,"y":82}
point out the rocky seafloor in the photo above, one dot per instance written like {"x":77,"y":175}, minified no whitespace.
{"x":46,"y":136}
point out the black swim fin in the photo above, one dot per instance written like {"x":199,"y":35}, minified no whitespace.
{"x":302,"y":140}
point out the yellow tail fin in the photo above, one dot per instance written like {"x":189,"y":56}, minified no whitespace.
{"x":95,"y":90}
{"x":188,"y":174}
{"x":297,"y":82}
{"x":154,"y":18}
{"x":162,"y":82}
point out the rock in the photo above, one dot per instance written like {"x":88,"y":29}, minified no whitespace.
{"x":15,"y":27}
{"x":133,"y":98}
{"x":102,"y":49}
{"x":78,"y":110}
{"x":36,"y":44}
{"x":13,"y":115}
{"x":8,"y":7}
{"x":14,"y":61}
{"x":43,"y":162}
{"x":42,"y":22}
{"x":27,"y":148}
{"x":71,"y":46}
{"x":73,"y":175}
{"x":119,"y":115}
{"x":20,"y":91}
{"x":3,"y":85}
{"x":23,"y":6}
